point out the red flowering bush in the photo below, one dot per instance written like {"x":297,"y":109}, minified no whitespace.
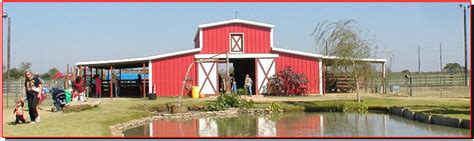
{"x":287,"y":83}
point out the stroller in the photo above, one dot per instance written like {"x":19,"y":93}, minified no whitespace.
{"x":59,"y":99}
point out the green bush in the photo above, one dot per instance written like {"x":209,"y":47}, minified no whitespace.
{"x":229,"y":101}
{"x":216,"y":106}
{"x":244,"y":104}
{"x":242,"y":91}
{"x":275,"y":108}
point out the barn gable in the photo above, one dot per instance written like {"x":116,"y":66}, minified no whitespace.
{"x":235,"y":36}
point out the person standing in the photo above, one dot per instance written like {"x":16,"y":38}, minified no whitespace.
{"x":92,"y":86}
{"x":78,"y":89}
{"x":98,"y":86}
{"x":117,"y":85}
{"x":233,"y":84}
{"x":33,"y":88}
{"x":140,"y":83}
{"x":248,"y":84}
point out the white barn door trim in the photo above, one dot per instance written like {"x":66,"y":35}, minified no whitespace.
{"x":265,"y":70}
{"x":207,"y":77}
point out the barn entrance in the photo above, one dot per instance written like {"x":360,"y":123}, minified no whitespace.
{"x":238,"y":68}
{"x":241,"y":68}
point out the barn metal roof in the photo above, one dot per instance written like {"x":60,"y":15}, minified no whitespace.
{"x":236,"y":21}
{"x":132,"y":62}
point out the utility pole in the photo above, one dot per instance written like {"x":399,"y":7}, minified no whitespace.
{"x":419,"y":63}
{"x":465,"y":43}
{"x":440,"y":59}
{"x":5,"y":16}
{"x":441,"y":69}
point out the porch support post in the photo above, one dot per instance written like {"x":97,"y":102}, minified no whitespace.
{"x":384,"y":87}
{"x":143,"y":80}
{"x":111,"y":81}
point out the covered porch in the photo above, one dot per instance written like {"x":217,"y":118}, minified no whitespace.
{"x":119,"y":77}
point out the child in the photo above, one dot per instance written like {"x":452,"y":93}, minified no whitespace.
{"x":234,"y":86}
{"x":19,"y":111}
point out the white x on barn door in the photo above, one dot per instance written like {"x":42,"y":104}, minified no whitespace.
{"x":265,"y":69}
{"x":236,"y":43}
{"x":207,"y":77}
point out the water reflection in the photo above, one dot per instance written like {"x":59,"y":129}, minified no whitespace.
{"x":296,"y":124}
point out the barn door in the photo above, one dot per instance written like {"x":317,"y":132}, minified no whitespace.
{"x":207,"y":77}
{"x":265,"y":69}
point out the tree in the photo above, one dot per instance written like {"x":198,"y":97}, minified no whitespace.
{"x":344,"y":40}
{"x":17,"y":73}
{"x":453,"y":68}
{"x":24,"y":66}
{"x":405,"y":71}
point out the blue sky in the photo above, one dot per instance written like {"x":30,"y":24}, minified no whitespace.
{"x":55,"y":34}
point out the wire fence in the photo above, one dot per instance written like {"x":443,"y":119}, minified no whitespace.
{"x":15,"y":91}
{"x":429,"y":85}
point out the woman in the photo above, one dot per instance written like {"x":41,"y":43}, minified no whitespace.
{"x":248,"y":84}
{"x":98,"y":86}
{"x":33,"y":88}
{"x":78,"y":89}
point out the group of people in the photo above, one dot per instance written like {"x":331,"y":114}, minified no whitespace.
{"x":96,"y":85}
{"x":35,"y":94}
{"x":247,"y":84}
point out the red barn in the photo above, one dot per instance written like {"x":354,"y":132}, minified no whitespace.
{"x":247,"y":44}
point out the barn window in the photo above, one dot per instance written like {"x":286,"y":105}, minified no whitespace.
{"x":236,"y":42}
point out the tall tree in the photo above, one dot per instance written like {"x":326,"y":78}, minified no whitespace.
{"x":344,"y":39}
{"x":453,"y":68}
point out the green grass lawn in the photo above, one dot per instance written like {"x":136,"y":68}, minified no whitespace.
{"x":96,"y":122}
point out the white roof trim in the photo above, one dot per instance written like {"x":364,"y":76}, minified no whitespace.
{"x":174,"y":53}
{"x":112,"y":61}
{"x":298,"y":52}
{"x":207,"y":56}
{"x":116,"y":61}
{"x":325,"y":57}
{"x":235,"y":21}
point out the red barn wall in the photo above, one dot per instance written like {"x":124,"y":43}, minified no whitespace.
{"x":168,"y":74}
{"x":216,"y":39}
{"x":301,"y":64}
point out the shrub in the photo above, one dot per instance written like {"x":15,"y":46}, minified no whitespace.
{"x":229,"y":101}
{"x":275,"y":108}
{"x":244,"y":104}
{"x":242,"y":91}
{"x":287,"y":83}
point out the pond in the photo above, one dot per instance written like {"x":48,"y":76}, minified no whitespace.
{"x":295,"y":124}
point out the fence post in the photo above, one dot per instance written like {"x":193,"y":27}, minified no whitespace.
{"x":16,"y":91}
{"x":7,"y":91}
{"x":411,"y":93}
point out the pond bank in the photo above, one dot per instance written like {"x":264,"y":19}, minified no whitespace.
{"x":117,"y":130}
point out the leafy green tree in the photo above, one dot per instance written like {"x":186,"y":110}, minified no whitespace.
{"x":453,"y":68}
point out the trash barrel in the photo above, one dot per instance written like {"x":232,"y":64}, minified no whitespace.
{"x":151,"y":96}
{"x":68,"y":95}
{"x":195,"y":92}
